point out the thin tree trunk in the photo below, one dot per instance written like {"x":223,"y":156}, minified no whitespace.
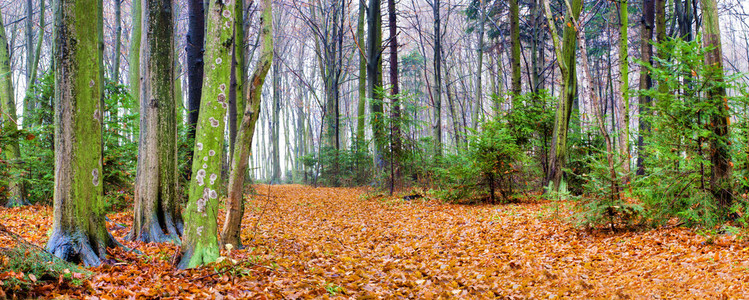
{"x":395,"y":129}
{"x":515,"y":41}
{"x":374,"y":78}
{"x":437,"y":131}
{"x":230,"y":233}
{"x":117,"y":41}
{"x":134,"y":57}
{"x":194,"y":52}
{"x":624,"y":84}
{"x":646,"y":48}
{"x":360,"y":113}
{"x":236,"y":101}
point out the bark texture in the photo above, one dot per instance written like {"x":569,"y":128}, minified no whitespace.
{"x":200,"y":241}
{"x":157,"y":215}
{"x":79,"y":232}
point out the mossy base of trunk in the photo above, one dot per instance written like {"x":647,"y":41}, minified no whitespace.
{"x":198,"y":255}
{"x":152,"y":232}
{"x":78,"y":247}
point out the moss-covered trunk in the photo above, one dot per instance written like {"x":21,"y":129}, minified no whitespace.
{"x":200,"y":242}
{"x":624,"y":84}
{"x":230,"y":233}
{"x":157,"y":215}
{"x":10,"y":150}
{"x":567,"y":61}
{"x":720,"y":181}
{"x":134,"y":57}
{"x":361,"y":108}
{"x":79,"y":231}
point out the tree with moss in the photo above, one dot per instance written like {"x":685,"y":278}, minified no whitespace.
{"x":200,"y":240}
{"x":230,"y":233}
{"x":157,"y":216}
{"x":79,"y":231}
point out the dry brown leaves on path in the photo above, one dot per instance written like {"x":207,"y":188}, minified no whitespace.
{"x":305,"y":242}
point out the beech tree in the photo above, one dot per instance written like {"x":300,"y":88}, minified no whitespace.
{"x":200,"y":241}
{"x":157,"y":213}
{"x":79,"y":231}
{"x":230,"y":233}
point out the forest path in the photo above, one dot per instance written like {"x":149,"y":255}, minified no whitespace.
{"x":335,"y":242}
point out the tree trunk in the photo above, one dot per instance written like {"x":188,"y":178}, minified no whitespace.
{"x":374,"y":78}
{"x":567,"y":53}
{"x":134,"y":56}
{"x":117,"y":41}
{"x":79,"y":231}
{"x":395,"y":130}
{"x":157,"y":216}
{"x":200,"y":243}
{"x":361,"y":109}
{"x":29,"y":37}
{"x":437,"y":79}
{"x":236,"y":100}
{"x":275,"y":111}
{"x":515,"y":40}
{"x":478,"y":109}
{"x":194,"y":52}
{"x":624,"y":85}
{"x":39,"y":40}
{"x":720,"y":157}
{"x":646,"y":48}
{"x":10,"y":149}
{"x":230,"y":233}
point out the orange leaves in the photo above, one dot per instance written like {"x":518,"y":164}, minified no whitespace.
{"x":304,"y":242}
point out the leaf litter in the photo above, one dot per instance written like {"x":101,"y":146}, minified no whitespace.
{"x":303,"y":242}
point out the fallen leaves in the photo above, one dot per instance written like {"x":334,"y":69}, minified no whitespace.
{"x":302,"y":242}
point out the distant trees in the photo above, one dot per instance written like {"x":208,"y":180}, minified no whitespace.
{"x":11,"y":150}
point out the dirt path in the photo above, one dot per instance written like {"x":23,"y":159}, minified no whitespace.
{"x":322,"y":242}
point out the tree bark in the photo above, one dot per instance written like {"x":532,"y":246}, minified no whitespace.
{"x":646,"y":48}
{"x":274,"y":127}
{"x":79,"y":231}
{"x":117,"y":41}
{"x":374,"y":78}
{"x":515,"y":40}
{"x":134,"y":56}
{"x":567,"y":61}
{"x":236,"y":100}
{"x":395,"y":130}
{"x":720,"y":157}
{"x":157,"y":216}
{"x":230,"y":233}
{"x":200,"y":242}
{"x":194,"y":52}
{"x":361,"y":109}
{"x":437,"y":131}
{"x":39,"y":40}
{"x":624,"y":84}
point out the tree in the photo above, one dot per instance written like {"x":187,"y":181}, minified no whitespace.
{"x":230,"y":233}
{"x":194,"y":53}
{"x":200,"y":242}
{"x":374,"y":76}
{"x":134,"y":57}
{"x":646,"y":48}
{"x":361,"y":108}
{"x":437,"y":79}
{"x":157,"y":213}
{"x":236,"y":100}
{"x":117,"y":42}
{"x":566,"y":60}
{"x":9,"y":136}
{"x":515,"y":40}
{"x":624,"y":82}
{"x":395,"y":130}
{"x":720,"y":180}
{"x":79,"y":231}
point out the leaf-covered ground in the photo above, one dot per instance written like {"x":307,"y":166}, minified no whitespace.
{"x":305,"y":242}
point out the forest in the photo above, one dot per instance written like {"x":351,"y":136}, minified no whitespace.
{"x":409,"y":149}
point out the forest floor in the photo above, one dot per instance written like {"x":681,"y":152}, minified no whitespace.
{"x":305,"y":242}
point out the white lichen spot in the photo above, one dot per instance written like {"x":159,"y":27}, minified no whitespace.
{"x":223,"y":104}
{"x":211,"y":152}
{"x":205,"y":158}
{"x":219,"y":61}
{"x":199,"y":146}
{"x":200,"y":231}
{"x":213,"y":67}
{"x":221,"y":98}
{"x":213,"y":194}
{"x":222,"y":87}
{"x":205,"y":166}
{"x":226,"y":14}
{"x":91,"y":83}
{"x":200,"y":178}
{"x":96,"y":115}
{"x":213,"y":178}
{"x":95,"y":175}
{"x":201,"y":205}
{"x":227,"y":25}
{"x":214,"y":122}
